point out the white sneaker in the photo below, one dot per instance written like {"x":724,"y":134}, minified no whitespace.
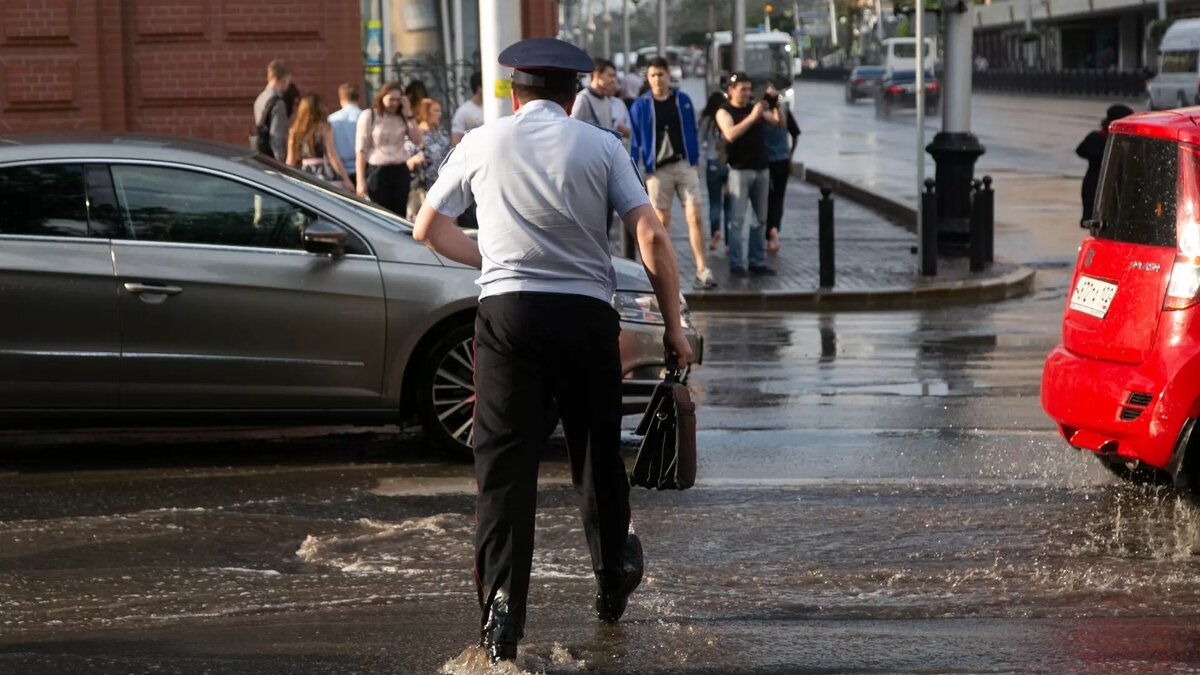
{"x":705,"y":280}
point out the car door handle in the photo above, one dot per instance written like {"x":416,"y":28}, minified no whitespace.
{"x":134,"y":287}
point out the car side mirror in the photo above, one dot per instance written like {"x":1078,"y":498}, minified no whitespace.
{"x":324,"y":238}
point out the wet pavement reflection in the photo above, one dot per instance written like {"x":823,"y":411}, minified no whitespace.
{"x":879,"y":492}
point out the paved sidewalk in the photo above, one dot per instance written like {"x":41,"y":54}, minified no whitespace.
{"x":876,"y":266}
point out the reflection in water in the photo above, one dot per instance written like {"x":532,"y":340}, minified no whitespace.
{"x":828,"y":338}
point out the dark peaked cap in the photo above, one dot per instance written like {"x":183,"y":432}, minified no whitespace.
{"x":546,"y":62}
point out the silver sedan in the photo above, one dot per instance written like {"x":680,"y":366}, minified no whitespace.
{"x":164,"y":281}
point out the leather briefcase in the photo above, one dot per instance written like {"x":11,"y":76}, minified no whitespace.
{"x":666,"y":459}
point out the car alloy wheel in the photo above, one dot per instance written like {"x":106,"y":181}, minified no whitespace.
{"x":453,"y":393}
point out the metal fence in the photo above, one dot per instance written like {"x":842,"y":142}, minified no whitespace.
{"x":1069,"y":82}
{"x":825,"y":74}
{"x":447,"y":82}
{"x":1033,"y":81}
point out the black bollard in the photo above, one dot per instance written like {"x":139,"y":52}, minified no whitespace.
{"x":929,"y":230}
{"x":989,"y":220}
{"x":825,"y":235}
{"x":978,"y":248}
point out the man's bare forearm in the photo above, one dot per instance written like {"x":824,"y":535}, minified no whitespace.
{"x":658,"y":258}
{"x":440,"y":234}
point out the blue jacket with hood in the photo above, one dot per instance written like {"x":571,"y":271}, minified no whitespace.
{"x":644,"y":145}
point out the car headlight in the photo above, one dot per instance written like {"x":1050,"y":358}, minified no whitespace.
{"x":638,"y":307}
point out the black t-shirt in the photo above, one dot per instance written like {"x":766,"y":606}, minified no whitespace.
{"x":666,"y":116}
{"x":749,"y":151}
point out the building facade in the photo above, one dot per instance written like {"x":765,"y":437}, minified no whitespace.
{"x":1107,"y":35}
{"x":191,"y":67}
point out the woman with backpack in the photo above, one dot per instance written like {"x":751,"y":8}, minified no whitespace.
{"x":384,"y":166}
{"x":716,"y":171}
{"x":311,"y":146}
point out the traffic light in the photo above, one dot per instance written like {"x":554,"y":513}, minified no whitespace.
{"x":768,"y":9}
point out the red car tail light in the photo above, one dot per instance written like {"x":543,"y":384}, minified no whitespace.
{"x":1183,"y":291}
{"x":858,"y":81}
{"x":932,"y":86}
{"x":895,"y":89}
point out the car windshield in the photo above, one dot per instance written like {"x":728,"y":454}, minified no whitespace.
{"x":369,"y":210}
{"x":909,"y":76}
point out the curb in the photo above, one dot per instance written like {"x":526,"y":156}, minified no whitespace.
{"x":902,"y":213}
{"x":1013,"y":284}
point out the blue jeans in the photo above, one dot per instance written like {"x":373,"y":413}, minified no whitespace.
{"x":748,"y":244}
{"x":716,"y":173}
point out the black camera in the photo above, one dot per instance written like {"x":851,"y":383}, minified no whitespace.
{"x":772,"y":100}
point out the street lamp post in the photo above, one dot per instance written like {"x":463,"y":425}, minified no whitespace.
{"x":955,"y":149}
{"x":662,"y":28}
{"x":739,"y":36}
{"x":625,"y":35}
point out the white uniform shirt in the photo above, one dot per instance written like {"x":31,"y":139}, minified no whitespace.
{"x":543,"y":184}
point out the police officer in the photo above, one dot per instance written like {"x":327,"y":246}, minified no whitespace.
{"x":546,"y":331}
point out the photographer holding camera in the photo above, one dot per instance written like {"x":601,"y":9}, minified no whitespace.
{"x":781,"y":143}
{"x":742,"y":123}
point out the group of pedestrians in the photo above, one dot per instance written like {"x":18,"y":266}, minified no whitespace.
{"x":389,"y":152}
{"x":746,"y":148}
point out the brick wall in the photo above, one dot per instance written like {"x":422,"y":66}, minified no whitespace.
{"x":177,"y":67}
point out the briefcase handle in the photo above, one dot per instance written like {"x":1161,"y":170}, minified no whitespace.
{"x":674,"y":372}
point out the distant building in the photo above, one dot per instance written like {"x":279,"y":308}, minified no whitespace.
{"x":1071,"y":34}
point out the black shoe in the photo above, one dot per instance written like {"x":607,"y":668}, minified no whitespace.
{"x":763,"y":271}
{"x":502,"y":630}
{"x":737,"y":271}
{"x":612,"y":594}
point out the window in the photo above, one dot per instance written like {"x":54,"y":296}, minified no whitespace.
{"x":1179,"y":61}
{"x":174,"y":205}
{"x":46,"y":200}
{"x":1136,"y":200}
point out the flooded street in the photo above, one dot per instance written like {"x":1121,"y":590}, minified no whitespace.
{"x":879,"y":492}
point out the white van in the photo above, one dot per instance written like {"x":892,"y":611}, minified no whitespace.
{"x":1178,"y":77}
{"x":900,"y":53}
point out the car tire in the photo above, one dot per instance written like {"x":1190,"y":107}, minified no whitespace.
{"x":448,"y":417}
{"x":1182,"y":101}
{"x":1135,"y":472}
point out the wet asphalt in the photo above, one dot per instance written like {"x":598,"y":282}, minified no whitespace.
{"x":879,"y":493}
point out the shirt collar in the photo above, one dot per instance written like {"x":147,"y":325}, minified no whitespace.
{"x":542,"y":107}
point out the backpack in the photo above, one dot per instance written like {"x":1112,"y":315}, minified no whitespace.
{"x":260,"y":138}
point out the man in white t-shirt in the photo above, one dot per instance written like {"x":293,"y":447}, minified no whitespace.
{"x":470,"y":114}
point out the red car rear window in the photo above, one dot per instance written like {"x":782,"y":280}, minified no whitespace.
{"x":1136,"y":199}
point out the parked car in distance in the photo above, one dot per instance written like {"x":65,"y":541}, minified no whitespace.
{"x":863,"y":83}
{"x":898,"y":89}
{"x":169,"y":281}
{"x":1175,"y":85}
{"x":1125,"y":381}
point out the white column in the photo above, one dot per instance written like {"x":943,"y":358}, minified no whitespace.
{"x":956,"y":106}
{"x":499,"y":27}
{"x":833,"y":23}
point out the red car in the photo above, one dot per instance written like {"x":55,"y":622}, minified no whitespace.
{"x":1125,"y":382}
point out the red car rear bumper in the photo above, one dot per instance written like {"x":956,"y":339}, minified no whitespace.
{"x":1102,"y":406}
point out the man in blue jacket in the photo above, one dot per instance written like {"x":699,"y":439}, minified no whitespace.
{"x":665,"y":144}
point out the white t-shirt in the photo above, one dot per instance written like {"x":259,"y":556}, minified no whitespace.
{"x":467,"y":117}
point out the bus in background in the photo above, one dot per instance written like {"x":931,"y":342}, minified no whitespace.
{"x":769,"y":58}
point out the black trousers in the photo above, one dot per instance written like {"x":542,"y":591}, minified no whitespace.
{"x":388,"y":185}
{"x":533,"y":350}
{"x":779,"y":172}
